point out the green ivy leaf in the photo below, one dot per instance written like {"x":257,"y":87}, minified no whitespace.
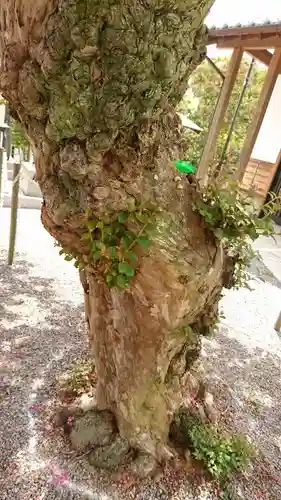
{"x":62,"y":251}
{"x":126,"y":241}
{"x":107,"y":233}
{"x":100,"y":245}
{"x":131,"y":256}
{"x":92,"y":224}
{"x":68,"y":258}
{"x":123,"y":216}
{"x":126,"y":269}
{"x":142,"y":216}
{"x":110,"y":280}
{"x":86,"y":237}
{"x":122,"y":281}
{"x":76,"y":264}
{"x":115,"y":227}
{"x":113,"y":252}
{"x":96,"y":254}
{"x":143,"y":242}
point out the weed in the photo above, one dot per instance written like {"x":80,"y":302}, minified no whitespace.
{"x":79,"y":378}
{"x":221,"y":455}
{"x":230,"y":214}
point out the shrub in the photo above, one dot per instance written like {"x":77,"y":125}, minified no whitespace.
{"x":221,"y":455}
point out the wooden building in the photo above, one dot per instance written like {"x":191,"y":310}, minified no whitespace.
{"x":259,"y":166}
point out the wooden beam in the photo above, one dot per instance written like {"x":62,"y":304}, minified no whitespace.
{"x":268,"y":86}
{"x":221,"y":107}
{"x":249,"y":42}
{"x":257,"y":29}
{"x":262,"y":55}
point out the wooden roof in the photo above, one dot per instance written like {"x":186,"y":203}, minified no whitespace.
{"x":252,"y":37}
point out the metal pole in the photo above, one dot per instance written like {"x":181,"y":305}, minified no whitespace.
{"x":14,"y":211}
{"x":216,"y":68}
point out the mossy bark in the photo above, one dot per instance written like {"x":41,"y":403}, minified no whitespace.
{"x":95,"y":84}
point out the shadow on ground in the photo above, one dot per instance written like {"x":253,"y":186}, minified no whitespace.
{"x":39,"y":333}
{"x":246,"y":385}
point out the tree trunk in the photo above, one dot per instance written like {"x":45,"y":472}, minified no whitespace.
{"x":145,"y":349}
{"x":95,"y":86}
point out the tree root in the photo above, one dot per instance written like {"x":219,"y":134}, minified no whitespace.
{"x":95,"y":435}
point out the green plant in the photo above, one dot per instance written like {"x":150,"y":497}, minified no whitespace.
{"x":221,"y":455}
{"x":113,"y":245}
{"x":69,"y":256}
{"x":230,"y":214}
{"x":79,"y":378}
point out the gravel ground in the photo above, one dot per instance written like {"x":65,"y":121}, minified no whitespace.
{"x":42,"y":330}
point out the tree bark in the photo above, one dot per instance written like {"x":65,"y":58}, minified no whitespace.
{"x":95,"y":85}
{"x":144,"y":347}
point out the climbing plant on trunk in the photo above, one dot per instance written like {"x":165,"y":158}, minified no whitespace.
{"x":95,"y":84}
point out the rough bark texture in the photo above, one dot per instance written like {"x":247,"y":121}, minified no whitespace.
{"x":95,"y":84}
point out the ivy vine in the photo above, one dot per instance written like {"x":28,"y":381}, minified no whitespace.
{"x":231,"y":215}
{"x":114,"y":245}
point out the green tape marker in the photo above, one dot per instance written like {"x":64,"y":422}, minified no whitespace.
{"x":186,"y":167}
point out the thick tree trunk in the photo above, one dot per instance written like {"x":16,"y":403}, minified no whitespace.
{"x":95,"y":85}
{"x":145,"y":349}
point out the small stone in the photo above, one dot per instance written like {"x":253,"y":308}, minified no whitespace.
{"x":144,"y":465}
{"x":201,"y":413}
{"x":108,"y":457}
{"x":94,"y":428}
{"x":209,"y":408}
{"x":86,"y":402}
{"x":208,"y":399}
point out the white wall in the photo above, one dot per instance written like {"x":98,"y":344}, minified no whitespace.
{"x":268,"y":143}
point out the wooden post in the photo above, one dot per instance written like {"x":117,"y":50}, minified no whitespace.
{"x":278,"y":323}
{"x":222,"y":105}
{"x":268,"y":86}
{"x":29,"y":154}
{"x":14,"y":210}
